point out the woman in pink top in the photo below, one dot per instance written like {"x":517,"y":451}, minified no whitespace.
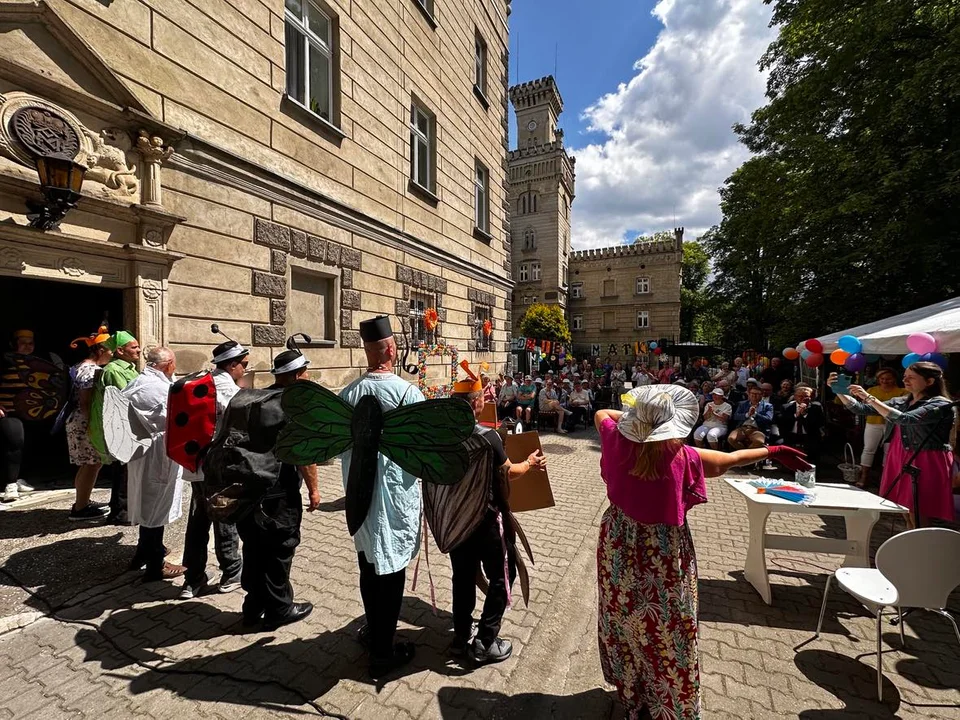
{"x":646,"y":566}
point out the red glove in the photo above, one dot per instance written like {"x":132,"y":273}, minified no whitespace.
{"x":790,"y":458}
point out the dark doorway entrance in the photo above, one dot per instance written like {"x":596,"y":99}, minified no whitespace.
{"x":57,"y":312}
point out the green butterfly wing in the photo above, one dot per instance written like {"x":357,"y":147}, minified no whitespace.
{"x":427,"y":439}
{"x":318,"y":425}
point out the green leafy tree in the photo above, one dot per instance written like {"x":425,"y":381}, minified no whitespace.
{"x":545,"y":322}
{"x":694,"y":299}
{"x":847,"y":211}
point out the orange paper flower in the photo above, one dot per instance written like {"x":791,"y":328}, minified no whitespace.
{"x":431,"y":319}
{"x":487,"y":327}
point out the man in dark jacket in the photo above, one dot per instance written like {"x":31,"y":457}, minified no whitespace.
{"x":801,"y":422}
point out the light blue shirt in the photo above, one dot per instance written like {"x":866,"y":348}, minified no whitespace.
{"x":390,"y":536}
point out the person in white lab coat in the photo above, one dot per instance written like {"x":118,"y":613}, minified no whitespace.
{"x":155,"y":482}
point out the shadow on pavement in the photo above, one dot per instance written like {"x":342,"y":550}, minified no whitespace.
{"x":596,"y":704}
{"x":265,"y":671}
{"x":854,"y":682}
{"x":38,"y":522}
{"x":333,"y":506}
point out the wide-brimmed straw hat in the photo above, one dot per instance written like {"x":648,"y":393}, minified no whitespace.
{"x":658,"y":412}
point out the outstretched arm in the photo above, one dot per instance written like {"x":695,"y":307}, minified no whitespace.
{"x":716,"y":463}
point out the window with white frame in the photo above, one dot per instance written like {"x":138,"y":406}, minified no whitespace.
{"x":481,"y":198}
{"x":309,"y":37}
{"x":534,"y":271}
{"x":643,"y":319}
{"x":480,"y":64}
{"x":523,"y":272}
{"x":643,"y":285}
{"x":576,"y":290}
{"x":422,"y":146}
{"x":482,"y":314}
{"x":529,"y":239}
{"x":420,"y":302}
{"x":578,"y":322}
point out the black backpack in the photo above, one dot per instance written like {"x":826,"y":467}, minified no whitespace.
{"x":239,"y":466}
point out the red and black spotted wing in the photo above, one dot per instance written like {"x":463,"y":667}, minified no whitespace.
{"x":191,"y":418}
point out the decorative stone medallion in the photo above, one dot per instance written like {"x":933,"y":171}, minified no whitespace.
{"x":44,"y":132}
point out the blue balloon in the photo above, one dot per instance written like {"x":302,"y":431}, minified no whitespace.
{"x":909,"y":359}
{"x":850,"y":344}
{"x":804,"y":354}
{"x":652,"y":345}
{"x":939,"y":359}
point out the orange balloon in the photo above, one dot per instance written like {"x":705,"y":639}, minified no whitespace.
{"x":839,"y":357}
{"x":791,"y":353}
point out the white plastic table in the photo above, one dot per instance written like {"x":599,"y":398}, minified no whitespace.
{"x":859,"y":508}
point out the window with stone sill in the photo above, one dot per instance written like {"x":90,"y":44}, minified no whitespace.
{"x":480,"y":65}
{"x":578,"y":322}
{"x":420,"y":302}
{"x":523,"y":272}
{"x":535,"y":271}
{"x":481,"y":198}
{"x":609,"y":288}
{"x":609,"y":320}
{"x":310,"y":38}
{"x":426,"y":6}
{"x":423,"y":146}
{"x":643,"y":319}
{"x":576,"y":291}
{"x":529,"y":239}
{"x":643,"y":285}
{"x":527,"y":203}
{"x":311,"y":305}
{"x":481,"y":314}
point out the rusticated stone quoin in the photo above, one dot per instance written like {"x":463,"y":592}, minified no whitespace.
{"x":350,"y":299}
{"x":316,"y":248}
{"x":272,"y":335}
{"x":346,"y":319}
{"x":402,"y":307}
{"x":278,"y":262}
{"x":346,"y":278}
{"x":278,"y":312}
{"x":267,"y":285}
{"x":332,"y":256}
{"x":350,"y":258}
{"x":350,"y":338}
{"x":298,"y":243}
{"x":404,"y":275}
{"x":271,"y":234}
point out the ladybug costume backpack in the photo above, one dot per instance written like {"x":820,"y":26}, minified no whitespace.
{"x":191,"y":418}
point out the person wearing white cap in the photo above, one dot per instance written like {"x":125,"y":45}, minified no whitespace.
{"x":230,"y":362}
{"x":716,"y":415}
{"x":646,"y":564}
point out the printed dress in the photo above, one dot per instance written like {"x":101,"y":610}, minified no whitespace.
{"x":647,"y":625}
{"x":81,"y":450}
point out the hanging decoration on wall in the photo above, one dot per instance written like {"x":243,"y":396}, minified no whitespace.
{"x":404,"y":347}
{"x":431,"y":318}
{"x":487,"y":328}
{"x":595,"y":350}
{"x":425,"y":352}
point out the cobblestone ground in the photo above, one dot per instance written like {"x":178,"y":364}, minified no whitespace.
{"x":192,"y":659}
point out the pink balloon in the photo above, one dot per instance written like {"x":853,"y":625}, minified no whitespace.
{"x":922,"y":343}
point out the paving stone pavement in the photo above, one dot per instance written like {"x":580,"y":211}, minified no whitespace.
{"x":756,"y":660}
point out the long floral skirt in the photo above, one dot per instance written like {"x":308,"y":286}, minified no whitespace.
{"x":647,"y":577}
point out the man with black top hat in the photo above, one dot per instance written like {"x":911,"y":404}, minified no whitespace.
{"x":271,"y":532}
{"x":390,"y":536}
{"x":230,"y":361}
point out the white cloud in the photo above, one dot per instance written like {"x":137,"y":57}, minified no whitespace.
{"x":668,"y":140}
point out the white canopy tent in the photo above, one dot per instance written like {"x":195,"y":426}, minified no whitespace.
{"x":889,"y":336}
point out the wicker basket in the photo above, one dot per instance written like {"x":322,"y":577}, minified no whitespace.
{"x":849,"y":470}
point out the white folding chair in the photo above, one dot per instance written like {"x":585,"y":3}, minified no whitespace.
{"x":915,"y":569}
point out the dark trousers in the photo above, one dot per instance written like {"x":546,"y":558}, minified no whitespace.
{"x":12,"y":440}
{"x":483,"y":548}
{"x":270,"y":537}
{"x":150,"y":549}
{"x":507,"y":411}
{"x":579,"y":413}
{"x":382,"y":596}
{"x":118,"y":492}
{"x":226,"y":542}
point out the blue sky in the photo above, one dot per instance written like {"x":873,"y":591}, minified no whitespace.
{"x":651,"y":89}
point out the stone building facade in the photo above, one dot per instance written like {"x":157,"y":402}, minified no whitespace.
{"x":541,"y":184}
{"x":625,"y":294}
{"x":274,"y":167}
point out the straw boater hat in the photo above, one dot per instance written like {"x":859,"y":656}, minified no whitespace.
{"x":658,"y":412}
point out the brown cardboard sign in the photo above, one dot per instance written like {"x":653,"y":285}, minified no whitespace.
{"x":532,"y":491}
{"x":488,"y":414}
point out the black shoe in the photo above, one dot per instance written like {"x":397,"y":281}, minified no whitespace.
{"x":296,"y":613}
{"x":458,"y":648}
{"x":498,"y":651}
{"x":121,"y":518}
{"x":363,"y":636}
{"x":402,"y":654}
{"x":251,"y":619}
{"x":90,"y":512}
{"x":137,"y":563}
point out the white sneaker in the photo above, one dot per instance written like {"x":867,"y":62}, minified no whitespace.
{"x":24,"y":487}
{"x":11,"y":493}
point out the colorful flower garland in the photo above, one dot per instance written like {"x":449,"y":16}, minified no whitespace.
{"x":424,"y":352}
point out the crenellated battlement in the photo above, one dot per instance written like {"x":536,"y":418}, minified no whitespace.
{"x":535,"y":92}
{"x":645,"y":247}
{"x":534,"y":150}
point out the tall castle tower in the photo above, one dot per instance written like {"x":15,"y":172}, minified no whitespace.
{"x":540,"y":179}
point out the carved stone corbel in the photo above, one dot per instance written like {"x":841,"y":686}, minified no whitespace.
{"x":153,"y":152}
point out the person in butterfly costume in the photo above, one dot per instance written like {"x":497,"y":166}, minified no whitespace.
{"x":394,"y":437}
{"x":472,"y":521}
